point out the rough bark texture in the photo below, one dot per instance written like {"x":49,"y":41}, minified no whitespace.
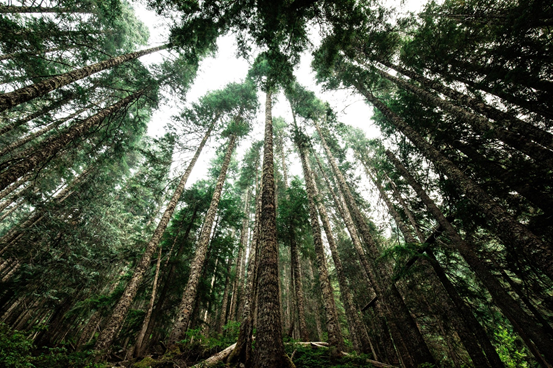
{"x":269,"y":349}
{"x":142,"y":333}
{"x":398,"y":314}
{"x":298,"y":287}
{"x":354,"y":320}
{"x":11,"y":99}
{"x":197,"y":265}
{"x":510,"y":307}
{"x":510,"y":231}
{"x":506,"y":119}
{"x":464,"y":330}
{"x":45,"y":110}
{"x":122,"y":307}
{"x":335,"y":338}
{"x":480,"y":124}
{"x":15,"y":145}
{"x":38,"y":155}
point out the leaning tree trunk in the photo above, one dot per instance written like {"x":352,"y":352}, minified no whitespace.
{"x":146,"y":321}
{"x":45,"y":110}
{"x":335,"y":338}
{"x":40,"y":154}
{"x":197,"y":265}
{"x":468,"y":339}
{"x":106,"y":337}
{"x":399,"y":314}
{"x":11,"y":9}
{"x":507,"y":119}
{"x":17,"y":97}
{"x":508,"y":229}
{"x":269,"y":348}
{"x":355,"y":323}
{"x":510,"y":307}
{"x":480,"y":124}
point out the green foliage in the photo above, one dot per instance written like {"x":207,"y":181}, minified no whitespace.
{"x":16,"y":351}
{"x":510,"y":349}
{"x":309,"y":357}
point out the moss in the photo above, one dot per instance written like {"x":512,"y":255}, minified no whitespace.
{"x":146,"y":363}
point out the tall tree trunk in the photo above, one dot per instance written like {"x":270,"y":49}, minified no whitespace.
{"x":335,"y":338}
{"x":510,"y":308}
{"x":17,"y":97}
{"x":506,"y":119}
{"x":122,"y":307}
{"x":269,"y":348}
{"x":224,"y":302}
{"x":15,"y":145}
{"x":355,"y":323}
{"x":386,"y":291}
{"x":465,"y":331}
{"x":243,"y":353}
{"x":480,"y":124}
{"x":45,"y":110}
{"x":510,"y":231}
{"x":146,"y":321}
{"x":197,"y":265}
{"x":40,"y":154}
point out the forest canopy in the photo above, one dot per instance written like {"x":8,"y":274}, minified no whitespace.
{"x":256,"y":224}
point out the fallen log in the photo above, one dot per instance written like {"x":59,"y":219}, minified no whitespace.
{"x":215,"y":359}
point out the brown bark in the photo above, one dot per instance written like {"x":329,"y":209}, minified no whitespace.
{"x":509,"y":307}
{"x":122,"y":307}
{"x":269,"y":349}
{"x":142,"y":333}
{"x":38,"y":155}
{"x":197,"y":265}
{"x":45,"y":110}
{"x":468,"y":339}
{"x":510,"y":231}
{"x":480,"y":124}
{"x":225,"y":301}
{"x":506,"y":119}
{"x":335,"y":338}
{"x":40,"y":132}
{"x":398,"y":314}
{"x":12,"y":99}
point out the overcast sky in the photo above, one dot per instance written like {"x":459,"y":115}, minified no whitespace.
{"x":225,"y":67}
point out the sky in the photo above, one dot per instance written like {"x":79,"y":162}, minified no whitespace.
{"x":225,"y":67}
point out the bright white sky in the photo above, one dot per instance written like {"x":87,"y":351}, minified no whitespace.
{"x":225,"y":67}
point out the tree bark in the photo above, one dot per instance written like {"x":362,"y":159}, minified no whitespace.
{"x":197,"y":265}
{"x":122,"y":307}
{"x":17,"y":97}
{"x":335,"y":338}
{"x":508,"y":120}
{"x":510,"y":231}
{"x":38,"y":155}
{"x":480,"y":124}
{"x":398,"y":314}
{"x":510,"y":308}
{"x":269,"y":349}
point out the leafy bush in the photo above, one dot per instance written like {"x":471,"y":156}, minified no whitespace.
{"x":511,"y":352}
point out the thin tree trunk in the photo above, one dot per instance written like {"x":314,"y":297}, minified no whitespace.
{"x":122,"y":307}
{"x":398,"y":314}
{"x":38,"y":133}
{"x":45,"y":110}
{"x":146,"y":321}
{"x":335,"y":338}
{"x":480,"y":124}
{"x":508,"y":120}
{"x":269,"y":348}
{"x":225,"y":302}
{"x":197,"y":265}
{"x":17,"y":97}
{"x":510,"y":308}
{"x":40,"y":154}
{"x":510,"y":231}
